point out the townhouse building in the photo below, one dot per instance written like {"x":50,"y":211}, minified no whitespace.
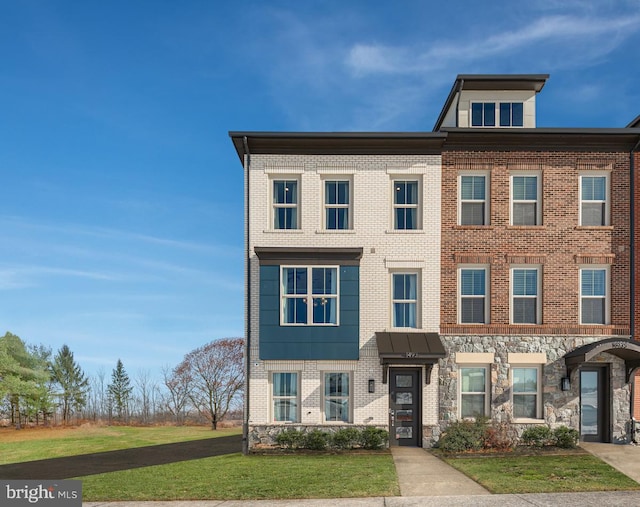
{"x":407,"y":280}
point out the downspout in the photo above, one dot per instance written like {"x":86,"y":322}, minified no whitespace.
{"x":632,"y":262}
{"x":458,"y":103}
{"x":247,"y":333}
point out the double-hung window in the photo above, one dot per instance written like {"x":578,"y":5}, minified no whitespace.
{"x":337,"y":202}
{"x":473,"y":391}
{"x":525,"y":199}
{"x":405,"y":204}
{"x":594,"y":296}
{"x":337,"y":397}
{"x":473,"y":294}
{"x":285,"y":397}
{"x":473,"y":200}
{"x":405,"y":299}
{"x":285,"y":204}
{"x":526,"y":392}
{"x":309,"y":295}
{"x":525,"y":290}
{"x":593,"y":200}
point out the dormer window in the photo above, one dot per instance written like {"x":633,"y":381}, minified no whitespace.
{"x":510,"y":114}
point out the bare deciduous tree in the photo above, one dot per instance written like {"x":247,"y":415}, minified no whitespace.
{"x":217,"y":377}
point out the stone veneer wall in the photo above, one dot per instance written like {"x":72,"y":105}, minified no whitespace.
{"x":559,"y":408}
{"x":263,"y":436}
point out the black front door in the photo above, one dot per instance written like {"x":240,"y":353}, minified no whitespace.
{"x":404,"y":407}
{"x":594,"y":404}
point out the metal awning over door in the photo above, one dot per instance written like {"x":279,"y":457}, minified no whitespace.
{"x":626,"y":349}
{"x":404,"y":349}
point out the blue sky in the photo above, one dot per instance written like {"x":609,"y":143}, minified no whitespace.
{"x":121,"y":207}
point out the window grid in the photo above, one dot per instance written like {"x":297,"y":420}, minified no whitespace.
{"x":483,"y":114}
{"x":473,"y":199}
{"x":337,"y":204}
{"x":405,"y":299}
{"x":285,"y":399}
{"x":593,"y":201}
{"x":405,"y":204}
{"x":473,"y":295}
{"x":525,"y":200}
{"x":296,"y":281}
{"x":337,"y":400}
{"x":285,"y":204}
{"x":593,"y":296}
{"x":525,"y":288}
{"x":511,"y":114}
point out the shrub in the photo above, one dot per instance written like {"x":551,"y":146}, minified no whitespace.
{"x":345,"y":438}
{"x":537,"y":436}
{"x":374,"y":438}
{"x":463,"y":436}
{"x":316,"y":440}
{"x":290,"y":439}
{"x":566,"y":438}
{"x":499,"y":437}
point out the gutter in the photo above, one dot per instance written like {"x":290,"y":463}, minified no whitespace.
{"x":458,"y":102}
{"x":247,"y":345}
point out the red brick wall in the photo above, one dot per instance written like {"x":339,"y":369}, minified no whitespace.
{"x":556,"y":244}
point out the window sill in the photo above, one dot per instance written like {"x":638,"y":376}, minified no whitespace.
{"x":594,"y":228}
{"x":404,"y":231}
{"x":283,"y":231}
{"x":335,"y":231}
{"x":473,"y":227}
{"x":528,"y":421}
{"x":526,"y":227}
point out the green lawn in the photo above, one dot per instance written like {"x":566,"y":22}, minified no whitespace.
{"x":543,"y":474}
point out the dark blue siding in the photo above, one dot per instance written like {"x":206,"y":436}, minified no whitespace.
{"x":309,"y":342}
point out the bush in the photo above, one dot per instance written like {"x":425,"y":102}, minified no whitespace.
{"x":345,"y":438}
{"x":566,"y":438}
{"x":316,"y":440}
{"x":290,"y":439}
{"x":537,"y":436}
{"x":374,"y":438}
{"x":499,"y":437}
{"x":464,"y":436}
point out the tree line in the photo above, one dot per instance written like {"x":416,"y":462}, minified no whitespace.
{"x":38,"y":387}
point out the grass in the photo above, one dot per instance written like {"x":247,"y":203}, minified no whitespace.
{"x":543,"y":474}
{"x":44,"y":443}
{"x":238,"y":477}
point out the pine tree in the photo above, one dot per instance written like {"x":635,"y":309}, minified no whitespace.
{"x":119,"y":390}
{"x":72,"y":381}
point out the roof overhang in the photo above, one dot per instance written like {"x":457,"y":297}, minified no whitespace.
{"x":272,"y":256}
{"x":337,"y":143}
{"x":624,"y":348}
{"x":409,"y":349}
{"x":635,"y":123}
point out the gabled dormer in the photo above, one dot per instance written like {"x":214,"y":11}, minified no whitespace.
{"x":492,"y":101}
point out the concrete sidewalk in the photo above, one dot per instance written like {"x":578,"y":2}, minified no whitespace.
{"x":624,"y":458}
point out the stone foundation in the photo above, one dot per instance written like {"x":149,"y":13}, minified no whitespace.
{"x":264,"y":435}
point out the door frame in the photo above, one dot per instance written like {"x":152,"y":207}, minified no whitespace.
{"x":416,"y":389}
{"x":603,"y":411}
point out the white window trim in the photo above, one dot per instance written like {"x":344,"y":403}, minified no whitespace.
{"x":418,"y":206}
{"x":538,"y":295}
{"x":487,"y":295}
{"x":496,"y":105}
{"x":272,"y":398}
{"x":538,"y":367}
{"x":310,"y":294}
{"x":417,"y":300}
{"x":324,"y":397}
{"x":487,"y":187}
{"x":607,"y":200}
{"x":538,"y":201}
{"x":487,"y":387}
{"x":274,"y":206}
{"x":326,"y":206}
{"x":607,"y":296}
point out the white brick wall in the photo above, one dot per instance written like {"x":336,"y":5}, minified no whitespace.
{"x":384,"y":250}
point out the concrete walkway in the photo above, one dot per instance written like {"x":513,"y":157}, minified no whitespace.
{"x":624,"y":458}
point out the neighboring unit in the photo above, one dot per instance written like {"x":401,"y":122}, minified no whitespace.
{"x":407,"y":280}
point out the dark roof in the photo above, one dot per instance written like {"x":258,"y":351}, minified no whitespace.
{"x":533,"y":82}
{"x":337,"y":143}
{"x":624,"y":348}
{"x":410,"y":346}
{"x":308,"y":255}
{"x":635,"y":123}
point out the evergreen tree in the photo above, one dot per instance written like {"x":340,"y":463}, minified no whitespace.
{"x":119,"y":390}
{"x":72,"y":381}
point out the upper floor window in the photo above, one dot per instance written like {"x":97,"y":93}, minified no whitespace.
{"x":510,"y":114}
{"x":285,"y":204}
{"x":593,"y":296}
{"x":593,"y":200}
{"x":525,"y":290}
{"x":337,"y":399}
{"x":285,"y":397}
{"x":473,"y":200}
{"x":337,"y":204}
{"x":309,"y":295}
{"x":405,"y":299}
{"x":405,"y":204}
{"x":525,"y":200}
{"x":473,"y":295}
